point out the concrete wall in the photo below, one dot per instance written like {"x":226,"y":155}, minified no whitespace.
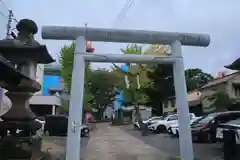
{"x":231,"y":90}
{"x":39,"y":77}
{"x":45,"y":100}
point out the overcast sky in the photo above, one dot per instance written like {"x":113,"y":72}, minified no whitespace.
{"x":219,"y":18}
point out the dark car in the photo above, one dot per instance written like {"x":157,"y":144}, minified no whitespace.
{"x":58,"y":126}
{"x":205,"y":129}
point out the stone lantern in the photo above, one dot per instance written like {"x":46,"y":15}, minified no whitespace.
{"x":24,"y":53}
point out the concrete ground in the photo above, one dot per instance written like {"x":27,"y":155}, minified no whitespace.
{"x":170,"y":145}
{"x":118,"y":143}
{"x":56,"y":146}
{"x":113,"y":143}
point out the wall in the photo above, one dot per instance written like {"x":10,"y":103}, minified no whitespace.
{"x":39,"y":77}
{"x":231,"y":90}
{"x":171,"y":104}
{"x":50,"y":82}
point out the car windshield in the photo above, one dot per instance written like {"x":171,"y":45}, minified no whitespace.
{"x":205,"y":120}
{"x":234,"y":122}
{"x":165,"y":117}
{"x":155,"y":118}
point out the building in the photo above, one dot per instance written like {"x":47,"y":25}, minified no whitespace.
{"x":231,"y":83}
{"x":194,"y":101}
{"x":235,"y":65}
{"x":48,"y":100}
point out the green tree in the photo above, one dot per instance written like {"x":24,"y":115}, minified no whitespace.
{"x":196,"y":78}
{"x":222,"y":100}
{"x":135,"y":70}
{"x":161,"y":86}
{"x":66,"y":62}
{"x":102,"y":83}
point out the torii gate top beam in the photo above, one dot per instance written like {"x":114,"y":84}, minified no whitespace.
{"x":124,"y":35}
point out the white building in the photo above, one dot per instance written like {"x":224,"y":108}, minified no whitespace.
{"x":49,"y":103}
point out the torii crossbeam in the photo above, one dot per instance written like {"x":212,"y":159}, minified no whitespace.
{"x":81,"y":34}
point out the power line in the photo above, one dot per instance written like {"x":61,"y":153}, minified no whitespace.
{"x":9,"y":10}
{"x":122,"y":11}
{"x":4,"y":5}
{"x":128,"y":4}
{"x":4,"y":15}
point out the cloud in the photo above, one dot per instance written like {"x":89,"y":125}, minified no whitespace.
{"x":219,"y":18}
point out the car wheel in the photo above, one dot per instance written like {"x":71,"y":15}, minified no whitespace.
{"x":209,"y":138}
{"x":177,"y":134}
{"x":170,"y":131}
{"x":161,"y":129}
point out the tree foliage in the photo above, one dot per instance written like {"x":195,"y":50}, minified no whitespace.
{"x":196,"y":78}
{"x":161,"y":86}
{"x":136,"y":70}
{"x":99,"y":84}
{"x":66,"y":62}
{"x":222,"y":100}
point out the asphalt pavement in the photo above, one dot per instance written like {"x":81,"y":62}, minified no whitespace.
{"x":170,"y":145}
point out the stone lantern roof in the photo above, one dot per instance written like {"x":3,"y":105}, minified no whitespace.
{"x":25,"y":47}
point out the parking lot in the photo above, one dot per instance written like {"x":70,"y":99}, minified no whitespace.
{"x":170,"y":145}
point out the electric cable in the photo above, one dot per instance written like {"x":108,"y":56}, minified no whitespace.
{"x":4,"y":5}
{"x":4,"y":15}
{"x":122,"y":14}
{"x":128,"y":4}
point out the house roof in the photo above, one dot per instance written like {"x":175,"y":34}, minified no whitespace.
{"x":235,"y":65}
{"x":219,"y":80}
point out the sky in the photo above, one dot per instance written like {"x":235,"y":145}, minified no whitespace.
{"x":218,"y":18}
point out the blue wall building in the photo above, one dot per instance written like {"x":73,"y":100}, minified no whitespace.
{"x":50,"y":82}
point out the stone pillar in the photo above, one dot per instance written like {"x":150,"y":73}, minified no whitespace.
{"x":53,"y":110}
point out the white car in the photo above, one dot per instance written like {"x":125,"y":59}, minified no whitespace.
{"x":149,"y":121}
{"x":164,"y":124}
{"x":174,"y":129}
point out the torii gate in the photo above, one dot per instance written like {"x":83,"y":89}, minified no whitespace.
{"x":81,"y":34}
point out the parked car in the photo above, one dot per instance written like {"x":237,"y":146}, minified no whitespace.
{"x":174,"y":128}
{"x":148,"y":121}
{"x":234,"y":124}
{"x":162,"y":126}
{"x":205,"y":129}
{"x":58,"y":126}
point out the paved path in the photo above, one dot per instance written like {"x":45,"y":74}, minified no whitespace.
{"x":112,"y":143}
{"x":56,"y":146}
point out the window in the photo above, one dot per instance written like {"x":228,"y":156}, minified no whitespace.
{"x":236,"y":90}
{"x":206,"y":120}
{"x":155,"y":118}
{"x":173,"y":118}
{"x":165,"y":104}
{"x":173,"y":103}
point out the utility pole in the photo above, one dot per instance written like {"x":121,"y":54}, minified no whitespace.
{"x":10,"y":16}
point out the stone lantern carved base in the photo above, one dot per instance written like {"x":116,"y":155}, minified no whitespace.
{"x":20,"y":110}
